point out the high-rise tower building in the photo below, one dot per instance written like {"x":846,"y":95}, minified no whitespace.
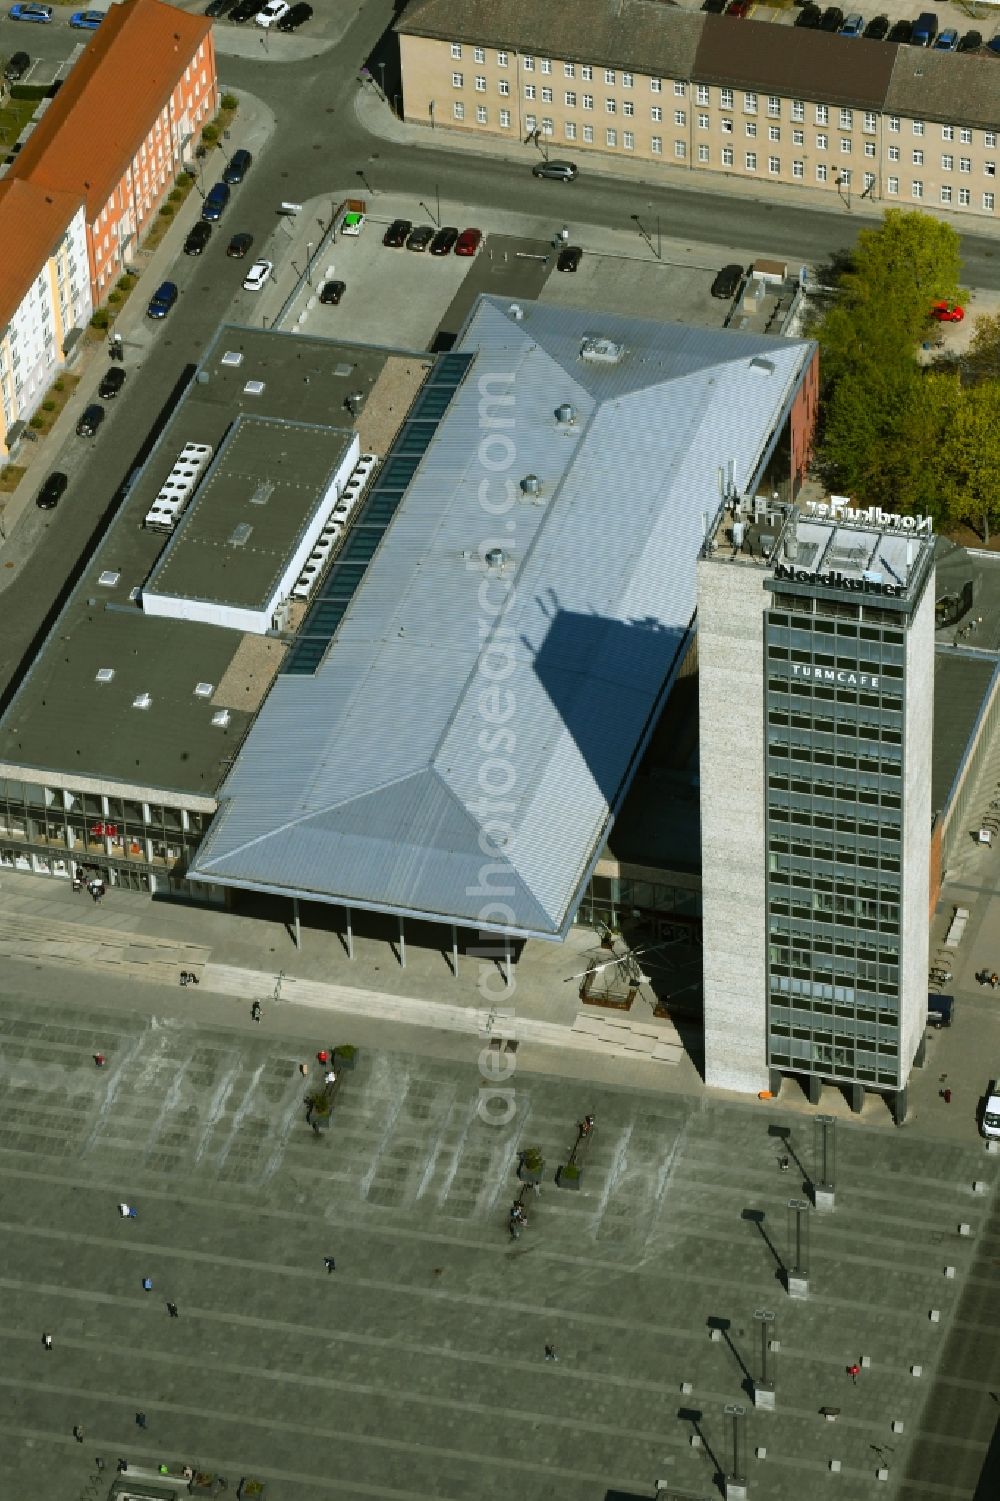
{"x":815,"y":646}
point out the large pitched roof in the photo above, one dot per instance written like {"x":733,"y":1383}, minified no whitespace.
{"x":444,"y":736}
{"x":32,"y":221}
{"x":925,"y":88}
{"x":632,"y":33}
{"x":102,"y":113}
{"x":794,"y":62}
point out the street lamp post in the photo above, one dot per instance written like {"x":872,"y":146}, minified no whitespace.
{"x":381,"y":74}
{"x":309,"y":248}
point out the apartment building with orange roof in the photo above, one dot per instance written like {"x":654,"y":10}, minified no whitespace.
{"x":45,"y":293}
{"x":123,"y":125}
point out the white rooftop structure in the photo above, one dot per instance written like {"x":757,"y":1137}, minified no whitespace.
{"x":460,"y":747}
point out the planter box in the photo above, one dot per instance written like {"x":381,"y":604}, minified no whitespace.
{"x":207,"y":1485}
{"x":319,"y":1122}
{"x":345,"y":1058}
{"x":251,"y":1490}
{"x":569,"y":1177}
{"x":530,"y":1175}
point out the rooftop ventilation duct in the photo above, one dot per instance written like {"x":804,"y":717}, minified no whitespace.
{"x":203,"y":690}
{"x":565,"y":414}
{"x":109,"y":578}
{"x":105,"y":674}
{"x":531,"y":485}
{"x":600,"y":350}
{"x":760,"y":363}
{"x":496,"y":558}
{"x":516,"y":311}
{"x":142,"y":701}
{"x":220,"y":719}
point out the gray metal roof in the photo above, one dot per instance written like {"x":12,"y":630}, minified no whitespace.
{"x":451,"y":762}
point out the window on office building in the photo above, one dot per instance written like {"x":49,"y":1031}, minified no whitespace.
{"x":704,"y":152}
{"x":871,"y":120}
{"x":798,"y":170}
{"x":847,"y":119}
{"x":774,"y":165}
{"x":588,"y":135}
{"x":611,"y":137}
{"x":456,"y":49}
{"x":964,"y":197}
{"x":822,"y":114}
{"x":703,"y":96}
{"x":546,"y":65}
{"x":680,"y":118}
{"x":774,"y":106}
{"x":482,"y":114}
{"x":893,"y":123}
{"x":749,"y":104}
{"x":588,"y":101}
{"x":457,"y":80}
{"x":628,"y":140}
{"x":821,"y":172}
{"x":774,"y":132}
{"x":458,"y":110}
{"x":546,"y":95}
{"x":479,"y":54}
{"x":918,"y":127}
{"x":680,"y":150}
{"x":505,"y":119}
{"x":947,"y":163}
{"x":569,"y":130}
{"x":946,"y":194}
{"x":680,"y":88}
{"x":628,"y":80}
{"x":751,"y":128}
{"x":918,"y":158}
{"x":569,"y":70}
{"x":822,"y":142}
{"x":570,"y":99}
{"x":989,"y":202}
{"x":727,"y":156}
{"x":503,"y":87}
{"x":869,"y":148}
{"x":845,"y":145}
{"x":480,"y":83}
{"x":892,"y":185}
{"x":916,"y":188}
{"x":628,"y":107}
{"x":609,"y":75}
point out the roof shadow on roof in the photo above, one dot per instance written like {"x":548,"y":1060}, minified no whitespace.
{"x":608,"y":681}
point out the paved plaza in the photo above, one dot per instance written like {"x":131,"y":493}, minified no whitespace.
{"x":417,"y":1368}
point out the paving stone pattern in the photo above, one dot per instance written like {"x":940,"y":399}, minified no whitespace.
{"x":417,"y":1368}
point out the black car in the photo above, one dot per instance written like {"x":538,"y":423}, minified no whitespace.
{"x":419,"y":238}
{"x":727,"y":283}
{"x":112,"y":383}
{"x":877,"y":29}
{"x":832,"y":19}
{"x":809,"y":17}
{"x":51,"y":492}
{"x":444,"y":241}
{"x":332,"y":291}
{"x":296,"y":17}
{"x":395,"y":235}
{"x":569,"y":258}
{"x":900,"y":31}
{"x":238,"y":246}
{"x":90,"y":420}
{"x":970,"y":42}
{"x":245,"y":11}
{"x":237,"y":167}
{"x":198,"y":238}
{"x":217,"y":7}
{"x":17,"y":66}
{"x":714,"y":7}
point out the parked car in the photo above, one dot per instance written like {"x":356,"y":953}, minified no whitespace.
{"x":215,"y":202}
{"x":971,"y":41}
{"x":947,"y":312}
{"x":217,"y":7}
{"x":445,"y":240}
{"x":245,"y":10}
{"x":569,"y":258}
{"x":993,"y":45}
{"x":739,"y":8}
{"x":947,"y":40}
{"x":17,"y":65}
{"x":272,"y":12}
{"x":259,"y":273}
{"x":877,"y":29}
{"x":832,"y":19}
{"x":198,"y":238}
{"x":809,"y":17}
{"x":52,"y":491}
{"x":39,"y":13}
{"x":558,"y":171}
{"x":162,"y":300}
{"x":714,"y":7}
{"x":296,"y":17}
{"x":90,"y":420}
{"x":468,"y":242}
{"x":237,"y":167}
{"x":924,"y":30}
{"x":420,"y":238}
{"x":728,"y":281}
{"x":238,"y":246}
{"x":854,"y":24}
{"x":396,"y":234}
{"x":900,"y":31}
{"x":112,"y":383}
{"x":86,"y":20}
{"x":332,"y":291}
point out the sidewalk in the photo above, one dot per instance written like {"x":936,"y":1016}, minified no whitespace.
{"x":251,"y":127}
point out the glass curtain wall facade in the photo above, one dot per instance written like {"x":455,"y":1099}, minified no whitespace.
{"x":835,"y":704}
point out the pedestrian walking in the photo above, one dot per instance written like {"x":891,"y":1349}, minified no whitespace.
{"x":854,"y":1371}
{"x":946,"y":1096}
{"x":147,"y":1284}
{"x":122,"y":1465}
{"x":322,"y":1056}
{"x":255,"y":1011}
{"x":550,"y":1352}
{"x":99,"y":1462}
{"x":329,"y":1263}
{"x":140,"y":1419}
{"x":330,"y":1077}
{"x":78,"y":1433}
{"x":172,"y":1310}
{"x":100,"y":1060}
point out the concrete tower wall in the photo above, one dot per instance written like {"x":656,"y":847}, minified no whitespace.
{"x":915,"y":898}
{"x":731,"y":603}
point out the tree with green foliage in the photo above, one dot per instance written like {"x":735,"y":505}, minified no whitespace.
{"x":981,"y":360}
{"x":971,"y":460}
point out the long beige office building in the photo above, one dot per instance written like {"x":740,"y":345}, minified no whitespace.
{"x":751,"y":99}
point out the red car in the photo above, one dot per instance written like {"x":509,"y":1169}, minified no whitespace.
{"x":739,"y":8}
{"x":468,"y":242}
{"x":947,"y":312}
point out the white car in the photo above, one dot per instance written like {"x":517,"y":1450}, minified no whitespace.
{"x":258,"y":274}
{"x":272,"y":12}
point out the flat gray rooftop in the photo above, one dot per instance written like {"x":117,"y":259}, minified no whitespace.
{"x":249,"y":511}
{"x":62,"y":720}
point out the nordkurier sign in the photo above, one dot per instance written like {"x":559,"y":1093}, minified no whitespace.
{"x":840,"y":509}
{"x":862,"y":584}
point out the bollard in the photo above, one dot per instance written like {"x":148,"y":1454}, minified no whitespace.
{"x":835,"y":1466}
{"x":916,"y":1370}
